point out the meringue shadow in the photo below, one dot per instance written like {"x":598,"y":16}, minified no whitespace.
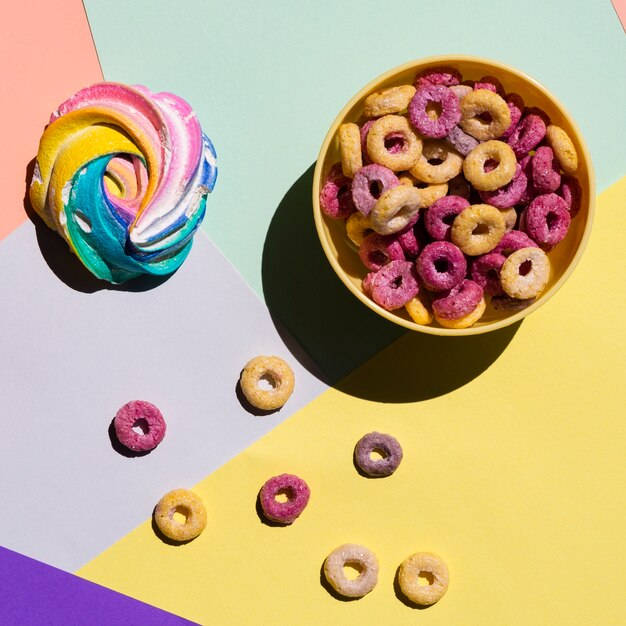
{"x":66,"y":266}
{"x":312,"y":309}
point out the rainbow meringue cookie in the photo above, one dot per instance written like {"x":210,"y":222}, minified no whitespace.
{"x":122,"y":174}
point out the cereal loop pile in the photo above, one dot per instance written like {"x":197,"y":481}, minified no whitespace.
{"x":440,"y":182}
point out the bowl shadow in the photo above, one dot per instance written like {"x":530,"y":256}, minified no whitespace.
{"x":66,"y":266}
{"x":299,"y":285}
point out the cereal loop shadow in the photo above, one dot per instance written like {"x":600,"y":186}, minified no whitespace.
{"x":314,"y":311}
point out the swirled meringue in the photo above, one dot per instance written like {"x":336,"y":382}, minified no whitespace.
{"x":122,"y":174}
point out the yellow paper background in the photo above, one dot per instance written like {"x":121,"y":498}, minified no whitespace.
{"x":517,"y":479}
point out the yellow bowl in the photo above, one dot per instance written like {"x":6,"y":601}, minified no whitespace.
{"x":343,"y":255}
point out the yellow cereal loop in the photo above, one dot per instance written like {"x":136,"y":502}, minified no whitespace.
{"x":407,"y":179}
{"x":563,"y":148}
{"x":395,"y":209}
{"x":433,"y":192}
{"x":357,"y":227}
{"x":403,"y":159}
{"x":438,"y":163}
{"x":350,"y":148}
{"x":385,"y":101}
{"x":467,"y":320}
{"x":423,"y":563}
{"x":525,"y":273}
{"x":500,"y":175}
{"x":478,"y":229}
{"x":418,"y":310}
{"x":186,"y":504}
{"x":277,"y":377}
{"x":481,"y":101}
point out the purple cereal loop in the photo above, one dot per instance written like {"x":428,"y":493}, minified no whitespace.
{"x":508,"y":304}
{"x":461,"y":141}
{"x":546,"y":172}
{"x":297,"y":492}
{"x":512,"y":241}
{"x":516,"y":107}
{"x":443,"y":75}
{"x":571,"y":192}
{"x":378,"y":250}
{"x":336,"y":195}
{"x":509,"y":195}
{"x":441,"y":266}
{"x":485,"y":272}
{"x":459,"y":301}
{"x":450,"y":111}
{"x":547,"y":219}
{"x":527,"y":134}
{"x":394,"y":285}
{"x":388,"y":445}
{"x":138,"y":413}
{"x":371,"y":177}
{"x":436,"y":214}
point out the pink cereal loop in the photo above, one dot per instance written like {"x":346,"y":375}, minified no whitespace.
{"x":378,"y":250}
{"x":450,"y":111}
{"x":394,"y":285}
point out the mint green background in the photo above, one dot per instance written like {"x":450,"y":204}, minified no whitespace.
{"x":268,"y":78}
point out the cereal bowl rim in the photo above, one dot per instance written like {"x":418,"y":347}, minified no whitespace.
{"x":319,"y":218}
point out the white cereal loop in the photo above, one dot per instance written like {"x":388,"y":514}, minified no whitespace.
{"x":525,"y":273}
{"x":395,"y":209}
{"x":351,"y":554}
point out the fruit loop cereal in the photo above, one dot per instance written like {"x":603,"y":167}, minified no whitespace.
{"x":377,"y":251}
{"x":488,"y":174}
{"x":350,"y":146}
{"x":478,"y":103}
{"x":478,"y":229}
{"x":369,"y":183}
{"x":438,"y":163}
{"x":547,"y":219}
{"x":441,"y":266}
{"x":396,"y":160}
{"x":278,"y":378}
{"x":428,"y":564}
{"x":293,"y":488}
{"x":395,"y":209}
{"x":394,"y":285}
{"x":386,"y":101}
{"x":189,"y":507}
{"x":360,"y":557}
{"x":503,"y":172}
{"x":389,"y":449}
{"x":459,"y":301}
{"x":139,"y":426}
{"x":336,"y":197}
{"x":525,"y":273}
{"x":563,"y":148}
{"x":450,"y":111}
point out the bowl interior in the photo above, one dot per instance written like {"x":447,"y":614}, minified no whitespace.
{"x":343,"y":254}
